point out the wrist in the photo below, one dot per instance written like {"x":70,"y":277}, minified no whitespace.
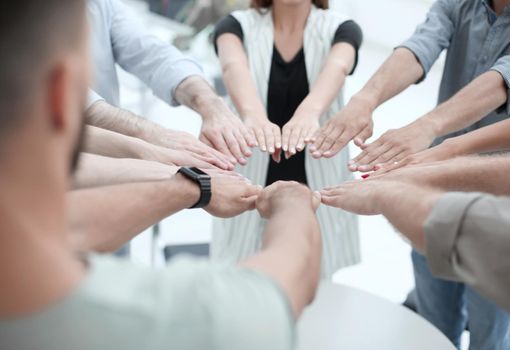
{"x":189,"y":189}
{"x":309,"y":111}
{"x":454,"y":147}
{"x":366,"y":99}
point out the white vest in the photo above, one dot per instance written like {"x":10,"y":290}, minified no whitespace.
{"x":237,"y":238}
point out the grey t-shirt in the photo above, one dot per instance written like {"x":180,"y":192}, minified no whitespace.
{"x":190,"y":304}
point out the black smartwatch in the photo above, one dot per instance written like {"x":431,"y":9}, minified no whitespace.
{"x":204,"y":182}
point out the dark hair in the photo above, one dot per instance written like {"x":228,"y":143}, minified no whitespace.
{"x":31,"y":33}
{"x":264,"y":4}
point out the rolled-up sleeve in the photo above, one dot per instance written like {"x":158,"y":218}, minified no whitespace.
{"x":502,"y":66}
{"x":434,"y":35}
{"x":92,"y":98}
{"x":158,"y":64}
{"x":468,"y":240}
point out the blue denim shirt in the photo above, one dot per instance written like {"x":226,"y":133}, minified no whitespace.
{"x":476,"y":40}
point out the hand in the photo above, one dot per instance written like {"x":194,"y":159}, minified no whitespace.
{"x":354,"y":121}
{"x":183,"y":141}
{"x":444,"y":151}
{"x":178,"y":158}
{"x":424,"y":174}
{"x":231,"y":195}
{"x":286,"y":195}
{"x":298,"y":132}
{"x":268,"y":135}
{"x":359,"y":197}
{"x":225,"y":132}
{"x":394,"y":145}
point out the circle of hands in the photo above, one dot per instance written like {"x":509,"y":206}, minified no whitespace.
{"x":227,"y":140}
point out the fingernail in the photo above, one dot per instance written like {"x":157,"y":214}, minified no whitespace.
{"x":242,"y":161}
{"x":263,"y":148}
{"x":285,"y":148}
{"x":248,"y":153}
{"x":300,"y":146}
{"x":365,"y":176}
{"x":271,"y":149}
{"x":351,"y":162}
{"x":327,"y":153}
{"x":278,"y":145}
{"x":293,"y":150}
{"x":313,"y":148}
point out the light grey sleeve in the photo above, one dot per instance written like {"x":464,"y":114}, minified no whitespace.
{"x":502,"y":66}
{"x":434,"y":35}
{"x":468,"y":240}
{"x":158,"y":64}
{"x":227,"y":307}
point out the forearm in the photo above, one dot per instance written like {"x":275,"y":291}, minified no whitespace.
{"x":105,"y":116}
{"x":491,"y":138}
{"x":103,"y":219}
{"x":195,"y":93}
{"x":107,"y":143}
{"x":469,"y":105}
{"x":331,"y":80}
{"x":237,"y":77}
{"x":487,"y":174}
{"x":95,"y":171}
{"x":291,"y":255}
{"x":399,"y":71}
{"x":403,"y":200}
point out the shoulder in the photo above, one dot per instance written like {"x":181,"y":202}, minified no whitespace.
{"x":326,"y":21}
{"x":250,"y":16}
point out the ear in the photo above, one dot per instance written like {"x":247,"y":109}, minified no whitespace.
{"x":58,"y":88}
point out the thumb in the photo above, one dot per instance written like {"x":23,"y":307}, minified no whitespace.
{"x":316,"y":200}
{"x":363,"y":136}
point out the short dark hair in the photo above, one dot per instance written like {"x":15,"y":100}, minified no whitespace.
{"x":31,"y":32}
{"x":264,"y":4}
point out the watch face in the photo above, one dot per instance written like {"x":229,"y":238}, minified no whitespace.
{"x":200,"y":173}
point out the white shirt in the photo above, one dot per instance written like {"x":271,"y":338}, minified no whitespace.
{"x":118,"y":38}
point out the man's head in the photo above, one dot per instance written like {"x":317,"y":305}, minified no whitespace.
{"x":43,"y":83}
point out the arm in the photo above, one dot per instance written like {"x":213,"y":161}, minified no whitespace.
{"x":95,"y":171}
{"x":137,"y":207}
{"x":389,"y":198}
{"x":354,"y":121}
{"x":120,"y":121}
{"x":176,"y":78}
{"x":292,"y":248}
{"x":487,"y":174}
{"x":111,"y":144}
{"x":221,"y":129}
{"x":407,"y":65}
{"x":241,"y":88}
{"x":491,"y":138}
{"x":480,"y":97}
{"x":305,"y":122}
{"x":140,"y":205}
{"x":464,"y":235}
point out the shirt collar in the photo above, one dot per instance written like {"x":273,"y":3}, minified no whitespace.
{"x":491,"y":14}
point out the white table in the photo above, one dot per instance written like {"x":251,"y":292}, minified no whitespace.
{"x":344,"y":318}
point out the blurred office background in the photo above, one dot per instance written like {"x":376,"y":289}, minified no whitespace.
{"x":386,"y":268}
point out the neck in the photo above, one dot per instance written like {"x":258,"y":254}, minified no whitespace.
{"x":499,"y":6}
{"x":290,"y":18}
{"x":34,"y":252}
